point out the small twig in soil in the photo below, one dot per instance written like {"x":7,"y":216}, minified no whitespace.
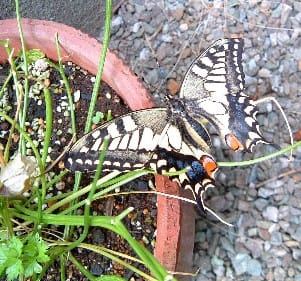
{"x":150,"y":38}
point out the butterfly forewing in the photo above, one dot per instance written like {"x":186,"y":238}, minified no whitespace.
{"x":213,"y":88}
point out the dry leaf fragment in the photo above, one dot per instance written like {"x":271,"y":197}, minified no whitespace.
{"x":14,"y":177}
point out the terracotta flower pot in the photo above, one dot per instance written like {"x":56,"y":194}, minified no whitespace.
{"x":175,"y":228}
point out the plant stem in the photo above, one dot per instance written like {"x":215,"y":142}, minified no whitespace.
{"x":26,"y":82}
{"x":90,"y":197}
{"x":66,"y":82}
{"x":6,"y":216}
{"x":100,"y":66}
{"x":48,"y":132}
{"x":261,"y":159}
{"x":25,"y":135}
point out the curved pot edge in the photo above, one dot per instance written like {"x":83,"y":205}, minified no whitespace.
{"x":40,"y":34}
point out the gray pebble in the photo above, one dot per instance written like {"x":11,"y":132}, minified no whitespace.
{"x":283,"y":38}
{"x":205,"y":263}
{"x":264,"y":72}
{"x":265,"y":192}
{"x":200,"y":237}
{"x":261,"y":203}
{"x":183,"y":27}
{"x":297,"y":53}
{"x":152,"y":76}
{"x":251,"y":67}
{"x":277,"y":12}
{"x":297,"y":254}
{"x":279,"y":274}
{"x":297,"y":234}
{"x":240,"y":263}
{"x":276,"y":238}
{"x":252,"y":232}
{"x":98,"y":236}
{"x":227,"y":245}
{"x":96,"y":269}
{"x":297,"y":6}
{"x":285,"y":12}
{"x":255,"y":246}
{"x":166,"y":38}
{"x":254,"y":268}
{"x":136,"y":27}
{"x":149,"y":29}
{"x":218,"y":266}
{"x":273,"y":38}
{"x":144,"y":54}
{"x":116,"y":21}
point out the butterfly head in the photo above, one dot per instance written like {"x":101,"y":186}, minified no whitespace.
{"x":176,"y":108}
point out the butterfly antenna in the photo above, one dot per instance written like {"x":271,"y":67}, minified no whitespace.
{"x":273,"y":99}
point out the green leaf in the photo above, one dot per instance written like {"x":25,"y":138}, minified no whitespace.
{"x":98,"y":117}
{"x":3,"y":255}
{"x":3,"y":259}
{"x":109,"y":115}
{"x":37,"y":248}
{"x":31,"y":267}
{"x":3,"y":236}
{"x":13,"y":271}
{"x":35,"y":252}
{"x":15,"y":246}
{"x":33,"y":55}
{"x":43,"y":255}
{"x":31,"y":246}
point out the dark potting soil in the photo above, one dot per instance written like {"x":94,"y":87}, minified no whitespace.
{"x":141,"y":222}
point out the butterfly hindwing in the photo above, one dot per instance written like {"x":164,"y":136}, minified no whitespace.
{"x":132,"y":140}
{"x":198,"y":177}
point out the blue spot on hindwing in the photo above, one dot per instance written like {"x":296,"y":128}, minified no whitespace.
{"x":197,"y":172}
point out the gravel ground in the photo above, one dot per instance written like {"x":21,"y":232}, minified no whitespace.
{"x":159,"y":40}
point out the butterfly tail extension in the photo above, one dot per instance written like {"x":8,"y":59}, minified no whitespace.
{"x":203,"y":172}
{"x":201,"y":177}
{"x":199,"y":174}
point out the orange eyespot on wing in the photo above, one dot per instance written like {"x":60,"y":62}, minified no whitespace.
{"x":233,"y":142}
{"x":209,"y":165}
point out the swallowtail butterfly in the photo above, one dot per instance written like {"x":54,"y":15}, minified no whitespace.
{"x":173,"y":138}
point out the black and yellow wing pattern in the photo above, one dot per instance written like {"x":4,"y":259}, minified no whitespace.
{"x":214,"y":88}
{"x":172,"y":138}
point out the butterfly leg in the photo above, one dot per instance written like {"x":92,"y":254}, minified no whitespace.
{"x":274,"y":100}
